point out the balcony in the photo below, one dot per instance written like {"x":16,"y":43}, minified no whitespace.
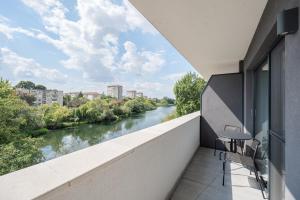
{"x":147,"y":164}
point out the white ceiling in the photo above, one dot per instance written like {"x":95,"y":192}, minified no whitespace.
{"x":213,"y":35}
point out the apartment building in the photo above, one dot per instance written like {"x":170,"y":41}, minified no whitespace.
{"x":91,"y":95}
{"x":139,"y":94}
{"x":43,"y":96}
{"x":115,"y":91}
{"x":131,"y":93}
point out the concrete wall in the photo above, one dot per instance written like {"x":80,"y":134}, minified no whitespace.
{"x":222,"y":104}
{"x":142,"y":165}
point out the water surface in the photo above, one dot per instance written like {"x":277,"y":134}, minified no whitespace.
{"x":64,"y":141}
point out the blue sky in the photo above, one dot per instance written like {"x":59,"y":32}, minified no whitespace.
{"x":85,"y":45}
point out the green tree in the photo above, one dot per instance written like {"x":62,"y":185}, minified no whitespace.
{"x":40,"y":87}
{"x":92,"y":111}
{"x":169,"y":100}
{"x":66,"y":100}
{"x":77,"y":101}
{"x":17,"y":150}
{"x":29,"y":98}
{"x":26,"y":85}
{"x":135,"y":106}
{"x":187,"y":92}
{"x":20,"y":153}
{"x":80,"y":95}
{"x":55,"y":115}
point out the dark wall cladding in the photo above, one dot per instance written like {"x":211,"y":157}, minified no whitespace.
{"x":260,"y":46}
{"x":222,"y":104}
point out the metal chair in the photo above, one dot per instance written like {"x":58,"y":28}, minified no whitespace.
{"x":247,"y":160}
{"x":225,"y":140}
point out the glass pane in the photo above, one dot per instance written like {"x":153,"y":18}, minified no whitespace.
{"x":261,"y":117}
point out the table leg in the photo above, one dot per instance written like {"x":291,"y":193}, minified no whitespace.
{"x":235,"y":146}
{"x":231,"y":145}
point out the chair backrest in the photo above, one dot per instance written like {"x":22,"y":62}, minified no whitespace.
{"x":253,"y":147}
{"x":232,"y":128}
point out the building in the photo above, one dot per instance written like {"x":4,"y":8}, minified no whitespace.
{"x":139,"y":94}
{"x":131,"y":94}
{"x":91,"y":95}
{"x":115,"y":91}
{"x":248,"y":52}
{"x":44,"y":96}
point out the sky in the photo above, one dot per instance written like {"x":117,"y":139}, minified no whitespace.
{"x":85,"y":45}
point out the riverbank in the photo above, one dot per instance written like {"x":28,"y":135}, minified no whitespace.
{"x":98,"y":111}
{"x":64,"y":141}
{"x":43,"y":131}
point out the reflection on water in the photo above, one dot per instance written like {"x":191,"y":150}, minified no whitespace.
{"x":60,"y":142}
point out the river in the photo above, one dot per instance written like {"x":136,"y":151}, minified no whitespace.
{"x":64,"y":141}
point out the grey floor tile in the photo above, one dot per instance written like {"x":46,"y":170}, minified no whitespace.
{"x":202,"y":180}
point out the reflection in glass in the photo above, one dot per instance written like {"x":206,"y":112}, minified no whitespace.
{"x":262,"y":117}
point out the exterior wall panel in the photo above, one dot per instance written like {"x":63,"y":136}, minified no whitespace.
{"x":222,"y":104}
{"x":259,"y":48}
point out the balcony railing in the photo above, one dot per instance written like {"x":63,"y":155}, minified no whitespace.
{"x":142,"y":165}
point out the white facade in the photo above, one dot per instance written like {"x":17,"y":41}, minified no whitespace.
{"x":139,"y":94}
{"x":131,"y":93}
{"x":91,"y":95}
{"x":44,"y":96}
{"x":115,"y":91}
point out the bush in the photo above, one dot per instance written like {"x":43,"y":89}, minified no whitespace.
{"x":20,"y":153}
{"x":39,"y":132}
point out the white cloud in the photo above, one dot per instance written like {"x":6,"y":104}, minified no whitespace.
{"x":8,"y":31}
{"x":154,"y":89}
{"x":91,"y":42}
{"x":135,"y":19}
{"x":174,"y":77}
{"x":140,"y":62}
{"x":28,"y":68}
{"x":147,"y":86}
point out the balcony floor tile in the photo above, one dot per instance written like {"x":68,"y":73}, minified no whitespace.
{"x":202,"y":180}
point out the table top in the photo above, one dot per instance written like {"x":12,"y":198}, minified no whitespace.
{"x":236,"y":135}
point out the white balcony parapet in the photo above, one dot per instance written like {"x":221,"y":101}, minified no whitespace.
{"x":142,"y":165}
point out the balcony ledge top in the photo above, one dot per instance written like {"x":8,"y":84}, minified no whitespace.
{"x":34,"y":181}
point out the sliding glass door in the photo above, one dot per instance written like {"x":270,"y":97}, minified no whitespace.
{"x":261,"y":117}
{"x":276,"y":133}
{"x":268,"y":121}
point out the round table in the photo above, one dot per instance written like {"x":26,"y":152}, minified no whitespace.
{"x":234,"y":136}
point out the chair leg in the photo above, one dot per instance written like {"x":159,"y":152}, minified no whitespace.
{"x":259,"y":182}
{"x":224,"y":163}
{"x":220,"y":155}
{"x":225,"y":150}
{"x":256,"y":174}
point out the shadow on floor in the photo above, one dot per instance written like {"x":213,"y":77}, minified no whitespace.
{"x":202,"y":180}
